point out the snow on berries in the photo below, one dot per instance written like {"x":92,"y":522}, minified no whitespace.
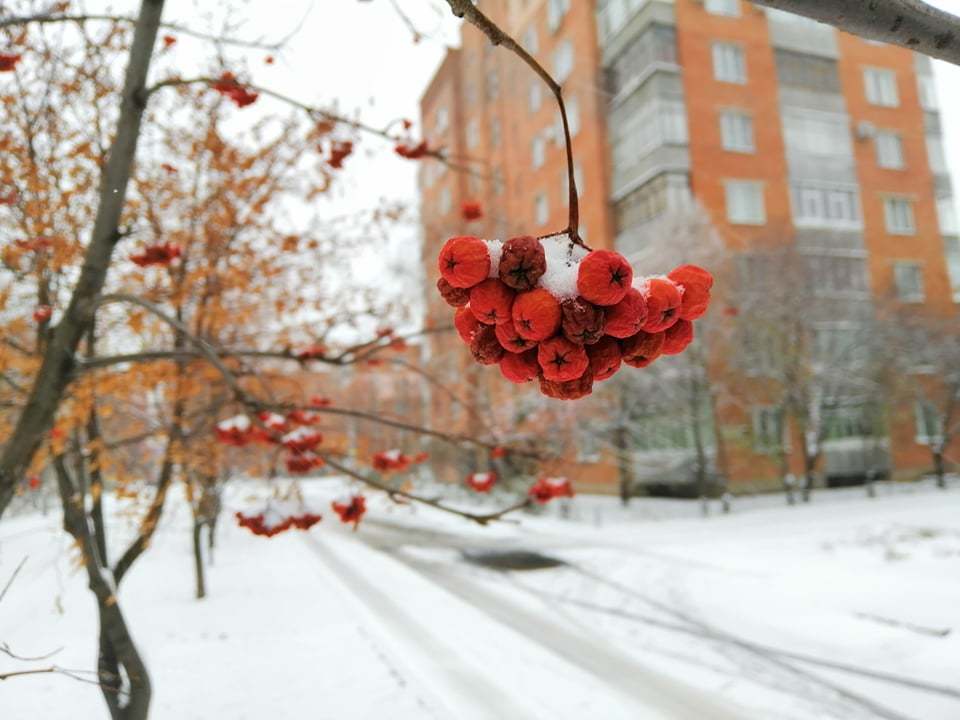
{"x":546,"y":489}
{"x":549,"y":309}
{"x":482,"y":482}
{"x":277,"y":518}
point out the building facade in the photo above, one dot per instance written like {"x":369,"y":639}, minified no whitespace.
{"x":782,"y":130}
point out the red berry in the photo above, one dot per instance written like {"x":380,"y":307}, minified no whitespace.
{"x":696,"y":283}
{"x":642,"y":349}
{"x":663,"y":302}
{"x":485,"y":347}
{"x":627,"y":316}
{"x":454,"y":297}
{"x":605,"y":358}
{"x":522,"y":262}
{"x":464,"y":261}
{"x":545,"y":489}
{"x":582,"y":322}
{"x":536,"y":314}
{"x":511,"y":340}
{"x":569,"y":390}
{"x":466,"y":324}
{"x":350,"y":510}
{"x":42,"y":313}
{"x":561,"y":359}
{"x":471,"y":210}
{"x":520,"y":367}
{"x":491,"y":301}
{"x":482,"y":482}
{"x":604,"y":277}
{"x":677,"y":337}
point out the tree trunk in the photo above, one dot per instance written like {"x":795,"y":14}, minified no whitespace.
{"x":939,"y":469}
{"x":809,"y":478}
{"x":56,"y":370}
{"x":624,"y":466}
{"x":198,"y":559}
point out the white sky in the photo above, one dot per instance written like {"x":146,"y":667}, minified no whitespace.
{"x":360,"y":54}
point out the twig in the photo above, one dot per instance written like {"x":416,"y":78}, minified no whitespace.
{"x":13,"y":577}
{"x":468,"y":10}
{"x":480,"y":519}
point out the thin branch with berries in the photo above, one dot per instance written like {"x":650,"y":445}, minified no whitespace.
{"x":467,"y":10}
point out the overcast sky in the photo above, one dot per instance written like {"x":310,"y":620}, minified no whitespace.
{"x":360,"y":53}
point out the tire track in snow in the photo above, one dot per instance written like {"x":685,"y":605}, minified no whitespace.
{"x":661,"y":697}
{"x":478,"y":697}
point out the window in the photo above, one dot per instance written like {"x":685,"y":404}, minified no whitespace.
{"x":928,"y":92}
{"x":881,"y":87}
{"x":539,"y":151}
{"x":441,"y":121}
{"x":729,"y":63}
{"x":722,"y":7}
{"x":657,"y":44}
{"x":495,"y":133}
{"x":745,"y":202}
{"x":563,"y":61}
{"x":929,"y":424}
{"x":493,"y":84}
{"x":809,"y":72}
{"x":908,"y":278}
{"x":825,"y":205}
{"x":935,"y":156}
{"x":767,"y":428}
{"x":838,"y":343}
{"x":898,"y":213}
{"x":536,"y":95}
{"x":817,"y":133}
{"x":947,"y":215}
{"x":541,"y":209}
{"x":952,"y":251}
{"x":573,"y":116}
{"x":889,"y":150}
{"x":832,"y":274}
{"x":497,"y":181}
{"x":473,"y":133}
{"x":445,"y":201}
{"x":736,"y":131}
{"x":556,"y":9}
{"x":531,"y":43}
{"x":656,"y":123}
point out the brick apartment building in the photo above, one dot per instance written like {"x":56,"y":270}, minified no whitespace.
{"x":769,"y":122}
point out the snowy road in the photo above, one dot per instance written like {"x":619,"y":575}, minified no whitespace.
{"x":839,"y":611}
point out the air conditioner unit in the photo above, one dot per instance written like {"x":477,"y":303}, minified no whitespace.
{"x":866,"y":130}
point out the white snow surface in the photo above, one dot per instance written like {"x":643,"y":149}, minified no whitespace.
{"x":237,"y":422}
{"x":495,"y":248}
{"x":563,"y":265}
{"x":658,"y":613}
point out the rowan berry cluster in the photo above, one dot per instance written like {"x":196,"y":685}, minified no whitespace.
{"x":549,"y":310}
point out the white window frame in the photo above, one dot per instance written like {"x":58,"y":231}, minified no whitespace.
{"x":538,"y":151}
{"x":880,"y":87}
{"x":745,"y":216}
{"x":927,"y":89}
{"x":736,"y":131}
{"x":947,"y":216}
{"x":889,"y":150}
{"x":762,"y":416}
{"x":898,"y":216}
{"x":729,"y":63}
{"x":822,"y":198}
{"x":908,"y":281}
{"x":573,"y":116}
{"x":556,"y":11}
{"x":446,"y":200}
{"x":473,"y":133}
{"x":535,"y":95}
{"x":936,"y":155}
{"x":922,"y":424}
{"x":726,"y":8}
{"x":541,"y":209}
{"x":563,"y":60}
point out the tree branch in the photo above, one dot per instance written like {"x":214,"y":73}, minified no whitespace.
{"x":471,"y":13}
{"x":911,"y":24}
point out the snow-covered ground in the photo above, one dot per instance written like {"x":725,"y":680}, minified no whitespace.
{"x":848,"y":608}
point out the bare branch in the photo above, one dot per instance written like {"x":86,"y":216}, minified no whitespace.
{"x":911,"y":24}
{"x":13,"y":577}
